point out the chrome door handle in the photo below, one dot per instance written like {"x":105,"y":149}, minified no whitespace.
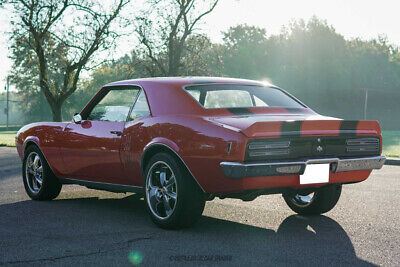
{"x":116,"y":132}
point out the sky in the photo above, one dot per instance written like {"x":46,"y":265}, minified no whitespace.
{"x":365,"y":19}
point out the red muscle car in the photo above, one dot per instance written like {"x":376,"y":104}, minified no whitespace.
{"x":183,"y":141}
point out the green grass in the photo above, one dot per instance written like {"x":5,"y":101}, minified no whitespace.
{"x":391,"y":141}
{"x":7,"y":138}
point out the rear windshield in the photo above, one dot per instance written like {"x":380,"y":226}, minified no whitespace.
{"x":240,"y":96}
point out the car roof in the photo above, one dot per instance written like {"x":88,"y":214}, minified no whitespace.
{"x":188,"y":80}
{"x":165,"y":94}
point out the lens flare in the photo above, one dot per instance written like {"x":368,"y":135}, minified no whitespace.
{"x":266,"y":81}
{"x":135,"y":257}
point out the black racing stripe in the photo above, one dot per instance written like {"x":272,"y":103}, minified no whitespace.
{"x":240,"y":111}
{"x":292,"y":128}
{"x":295,"y":110}
{"x":348,"y":128}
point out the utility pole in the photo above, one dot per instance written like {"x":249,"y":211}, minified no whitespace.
{"x":8,"y":94}
{"x":365,"y":104}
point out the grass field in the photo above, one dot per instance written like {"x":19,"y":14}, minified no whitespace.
{"x":7,"y":138}
{"x":391,"y":141}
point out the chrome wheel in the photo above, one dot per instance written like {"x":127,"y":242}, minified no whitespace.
{"x":303,"y":200}
{"x":161,"y":190}
{"x":34,"y":172}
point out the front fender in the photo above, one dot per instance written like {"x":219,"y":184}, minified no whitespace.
{"x":30,"y":139}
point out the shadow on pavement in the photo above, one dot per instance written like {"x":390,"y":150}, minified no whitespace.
{"x":10,"y":163}
{"x":104,"y":232}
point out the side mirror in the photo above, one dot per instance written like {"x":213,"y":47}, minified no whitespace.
{"x":77,"y":118}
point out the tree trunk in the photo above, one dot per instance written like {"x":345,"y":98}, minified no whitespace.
{"x":56,"y":110}
{"x":173,"y":69}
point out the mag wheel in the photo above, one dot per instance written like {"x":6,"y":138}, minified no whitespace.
{"x":39,"y":181}
{"x":172,"y":198}
{"x":161,"y":190}
{"x":312,"y":203}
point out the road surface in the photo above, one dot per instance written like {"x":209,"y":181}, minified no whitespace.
{"x":89,"y":227}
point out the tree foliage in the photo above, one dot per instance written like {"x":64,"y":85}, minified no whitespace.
{"x":242,"y":43}
{"x":164,"y":29}
{"x":327,"y":72}
{"x":121,"y":69}
{"x":309,"y":58}
{"x":57,"y":40}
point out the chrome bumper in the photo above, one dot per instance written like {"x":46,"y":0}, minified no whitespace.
{"x":236,"y":170}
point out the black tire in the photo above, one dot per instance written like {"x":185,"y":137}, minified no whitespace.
{"x":190,"y":200}
{"x":324,"y":200}
{"x":50,"y":185}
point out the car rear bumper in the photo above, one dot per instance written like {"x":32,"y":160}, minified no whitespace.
{"x":236,"y":170}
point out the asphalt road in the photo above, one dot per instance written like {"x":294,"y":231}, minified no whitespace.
{"x":88,"y":227}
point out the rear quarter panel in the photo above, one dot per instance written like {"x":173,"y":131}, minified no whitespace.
{"x":200,"y":143}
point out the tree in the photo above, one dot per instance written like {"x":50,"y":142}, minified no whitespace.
{"x":164,"y":30}
{"x":118,"y":70}
{"x":201,"y":57}
{"x":245,"y":52}
{"x":313,"y":61}
{"x":60,"y":39}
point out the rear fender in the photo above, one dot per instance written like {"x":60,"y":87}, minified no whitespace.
{"x":171,"y":147}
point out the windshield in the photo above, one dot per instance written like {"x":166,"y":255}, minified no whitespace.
{"x":240,"y":96}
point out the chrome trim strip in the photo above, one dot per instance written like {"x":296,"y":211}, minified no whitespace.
{"x":240,"y":170}
{"x":103,"y":186}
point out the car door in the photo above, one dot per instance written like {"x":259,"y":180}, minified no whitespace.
{"x":91,"y":147}
{"x":134,"y":138}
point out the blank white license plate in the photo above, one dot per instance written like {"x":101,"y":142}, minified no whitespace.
{"x":315,"y":174}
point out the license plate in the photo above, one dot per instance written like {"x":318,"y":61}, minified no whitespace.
{"x":315,"y":174}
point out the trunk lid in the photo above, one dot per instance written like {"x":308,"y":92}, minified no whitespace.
{"x":295,"y":136}
{"x":286,"y":125}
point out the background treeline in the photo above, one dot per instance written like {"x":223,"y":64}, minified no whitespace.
{"x":309,"y":59}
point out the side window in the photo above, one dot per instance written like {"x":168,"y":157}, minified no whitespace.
{"x":141,"y":108}
{"x":114,"y":106}
{"x":195,"y":94}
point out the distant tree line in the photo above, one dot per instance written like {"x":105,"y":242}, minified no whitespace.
{"x":310,"y":59}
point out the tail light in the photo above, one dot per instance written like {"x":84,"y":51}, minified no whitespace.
{"x":257,"y":149}
{"x":363,"y":145}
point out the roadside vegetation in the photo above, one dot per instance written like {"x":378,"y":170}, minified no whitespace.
{"x":351,"y":79}
{"x":7,"y":138}
{"x":391,"y":141}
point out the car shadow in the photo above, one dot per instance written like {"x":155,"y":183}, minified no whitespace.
{"x":106,"y":231}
